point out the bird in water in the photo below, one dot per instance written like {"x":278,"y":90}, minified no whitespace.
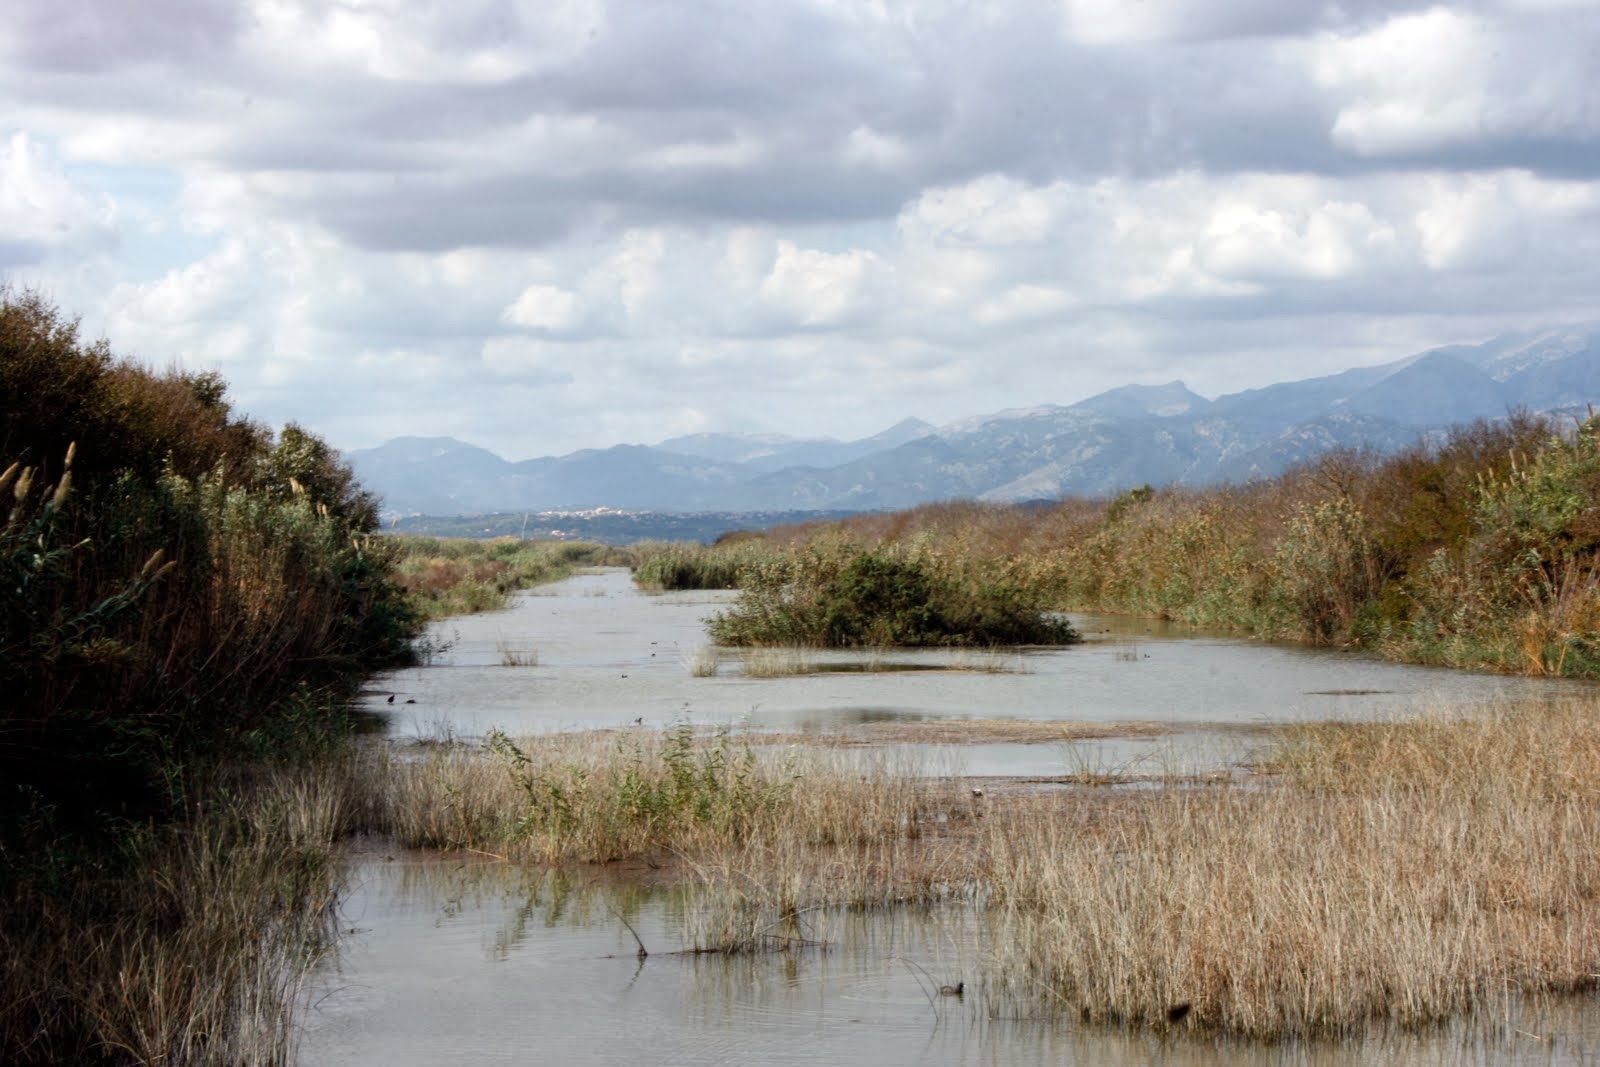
{"x":953,"y":990}
{"x":391,"y":698}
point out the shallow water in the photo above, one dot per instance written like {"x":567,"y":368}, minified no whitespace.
{"x":484,"y":963}
{"x":609,"y":656}
{"x":452,"y":961}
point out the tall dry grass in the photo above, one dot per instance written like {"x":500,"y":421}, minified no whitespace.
{"x":197,"y":951}
{"x":1399,"y":872}
{"x":675,"y":793}
{"x":766,"y":836}
{"x":1374,"y":874}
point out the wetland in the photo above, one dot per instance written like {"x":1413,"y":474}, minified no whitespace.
{"x":1145,"y":740}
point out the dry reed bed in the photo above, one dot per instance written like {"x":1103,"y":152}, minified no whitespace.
{"x":602,"y":796}
{"x":765,"y":836}
{"x":1400,"y":872}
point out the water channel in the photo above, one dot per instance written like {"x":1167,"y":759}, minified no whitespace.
{"x":446,"y":959}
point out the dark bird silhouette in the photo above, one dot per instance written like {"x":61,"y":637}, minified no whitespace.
{"x":1179,"y":1012}
{"x":953,"y":990}
{"x":391,"y":698}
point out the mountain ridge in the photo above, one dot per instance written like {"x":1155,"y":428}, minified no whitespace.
{"x":1123,"y":437}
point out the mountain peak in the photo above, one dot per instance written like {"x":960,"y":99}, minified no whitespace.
{"x":1145,"y":401}
{"x":908,"y":429}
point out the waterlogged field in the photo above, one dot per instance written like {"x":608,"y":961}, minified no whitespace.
{"x":1064,"y":836}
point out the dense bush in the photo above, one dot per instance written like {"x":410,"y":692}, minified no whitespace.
{"x":840,"y":596}
{"x":171,"y":574}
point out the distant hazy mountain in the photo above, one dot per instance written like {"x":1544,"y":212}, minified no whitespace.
{"x":770,"y":452}
{"x":1136,"y":434}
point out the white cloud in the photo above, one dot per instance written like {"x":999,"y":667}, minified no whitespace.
{"x":545,"y":307}
{"x":473,"y":41}
{"x":42,"y":213}
{"x":820,"y":288}
{"x":1480,"y":222}
{"x":203,"y":315}
{"x":1125,"y":22}
{"x":1418,"y":81}
{"x":526,"y":359}
{"x":1446,"y":77}
{"x":1244,"y":240}
{"x":993,"y":210}
{"x":1024,"y":302}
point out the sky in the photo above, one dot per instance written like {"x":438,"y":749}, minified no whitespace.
{"x":561,"y":224}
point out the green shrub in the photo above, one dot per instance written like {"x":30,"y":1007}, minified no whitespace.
{"x":851,"y":597}
{"x":171,"y":575}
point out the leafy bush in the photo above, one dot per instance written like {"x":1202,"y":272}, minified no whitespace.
{"x":850,"y":597}
{"x":171,"y":575}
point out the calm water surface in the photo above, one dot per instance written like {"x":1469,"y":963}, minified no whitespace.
{"x":471,"y":962}
{"x":451,"y":962}
{"x":608,"y":656}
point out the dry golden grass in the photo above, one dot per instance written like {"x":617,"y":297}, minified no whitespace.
{"x":1400,"y":872}
{"x":602,"y":796}
{"x":702,"y":662}
{"x":777,"y":662}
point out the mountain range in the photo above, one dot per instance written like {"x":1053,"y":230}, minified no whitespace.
{"x":1129,"y":436}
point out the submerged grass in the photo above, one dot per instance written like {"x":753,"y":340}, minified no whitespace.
{"x":1393,"y":873}
{"x":775,"y":662}
{"x":779,"y":661}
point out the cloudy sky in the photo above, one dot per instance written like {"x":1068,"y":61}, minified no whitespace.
{"x":557,"y":224}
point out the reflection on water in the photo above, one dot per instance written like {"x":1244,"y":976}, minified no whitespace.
{"x":482,"y":962}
